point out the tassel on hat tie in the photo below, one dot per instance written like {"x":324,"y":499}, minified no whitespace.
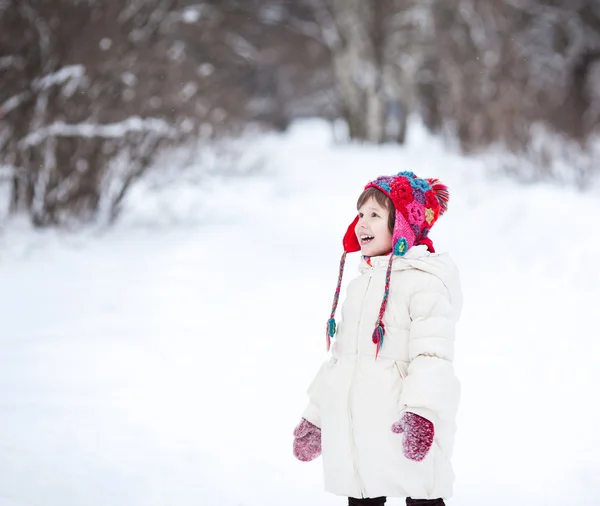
{"x":331,"y":325}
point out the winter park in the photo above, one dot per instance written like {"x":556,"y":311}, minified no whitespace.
{"x":178,"y":183}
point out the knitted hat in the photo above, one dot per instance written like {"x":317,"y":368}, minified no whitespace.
{"x":418,"y":204}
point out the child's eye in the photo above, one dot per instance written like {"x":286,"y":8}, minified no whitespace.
{"x":374,"y":215}
{"x":360,"y":215}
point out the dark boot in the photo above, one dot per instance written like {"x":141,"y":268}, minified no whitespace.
{"x":424,"y":502}
{"x":368,"y":501}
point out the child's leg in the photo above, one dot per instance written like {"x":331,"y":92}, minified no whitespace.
{"x":424,"y":502}
{"x":369,"y":501}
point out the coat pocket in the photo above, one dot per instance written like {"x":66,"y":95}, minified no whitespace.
{"x":400,"y":369}
{"x":318,"y":389}
{"x":399,"y":374}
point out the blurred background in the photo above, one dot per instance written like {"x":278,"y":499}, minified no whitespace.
{"x":175,"y":180}
{"x":91,"y":92}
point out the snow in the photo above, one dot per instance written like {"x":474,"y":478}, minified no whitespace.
{"x":192,"y":15}
{"x":60,"y":76}
{"x":13,"y":102}
{"x":108,"y":130}
{"x":242,"y":47}
{"x":11,"y":61}
{"x":105,"y":44}
{"x":165,"y":361}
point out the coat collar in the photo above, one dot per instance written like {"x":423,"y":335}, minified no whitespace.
{"x":381,"y":262}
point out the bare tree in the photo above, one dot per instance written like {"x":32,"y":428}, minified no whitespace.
{"x":93,"y":90}
{"x":367,"y":39}
{"x":83,"y":108}
{"x":492,"y":70}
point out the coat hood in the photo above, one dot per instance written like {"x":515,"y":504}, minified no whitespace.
{"x":440,"y":265}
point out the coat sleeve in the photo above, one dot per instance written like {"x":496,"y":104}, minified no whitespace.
{"x":431,"y":388}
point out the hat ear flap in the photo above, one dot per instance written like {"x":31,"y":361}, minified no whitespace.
{"x":441,"y":194}
{"x":350,"y":241}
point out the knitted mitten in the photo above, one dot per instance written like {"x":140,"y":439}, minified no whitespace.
{"x":307,"y":441}
{"x":418,"y":435}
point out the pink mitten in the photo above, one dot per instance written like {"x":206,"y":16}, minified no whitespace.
{"x":307,"y":441}
{"x":418,"y":435}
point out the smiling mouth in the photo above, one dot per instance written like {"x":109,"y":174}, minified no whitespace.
{"x":366,"y":239}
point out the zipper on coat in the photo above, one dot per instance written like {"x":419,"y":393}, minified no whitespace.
{"x":362,"y":305}
{"x":354,"y":452}
{"x":351,"y":398}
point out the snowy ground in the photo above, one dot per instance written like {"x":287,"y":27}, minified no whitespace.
{"x":159,"y":365}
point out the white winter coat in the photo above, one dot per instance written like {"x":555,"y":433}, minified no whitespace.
{"x":355,"y":399}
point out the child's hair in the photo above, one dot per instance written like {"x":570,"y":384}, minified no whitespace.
{"x":383,"y":200}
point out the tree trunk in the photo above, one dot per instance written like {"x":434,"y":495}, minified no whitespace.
{"x":358,"y":67}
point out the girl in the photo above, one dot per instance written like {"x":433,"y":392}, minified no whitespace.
{"x":382,"y":409}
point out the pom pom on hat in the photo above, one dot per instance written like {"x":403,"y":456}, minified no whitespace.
{"x":441,"y":193}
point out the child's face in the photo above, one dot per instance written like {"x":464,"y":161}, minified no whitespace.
{"x":372,"y":230}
